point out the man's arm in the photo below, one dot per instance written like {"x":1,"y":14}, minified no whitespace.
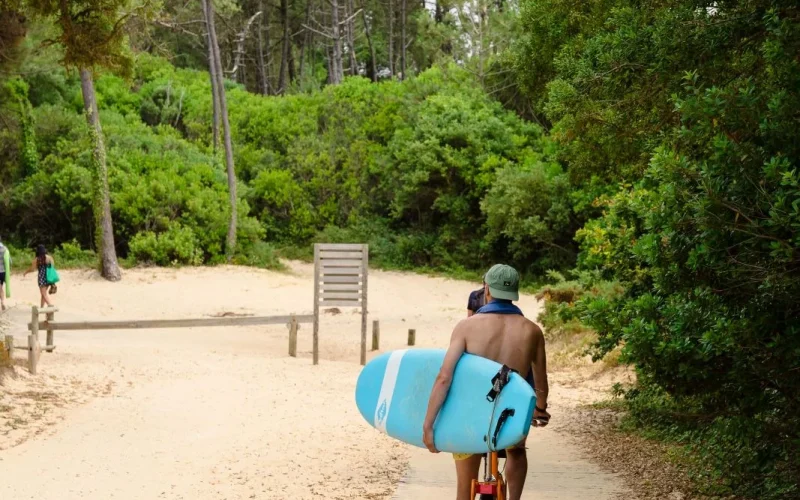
{"x":541,"y":385}
{"x":441,"y":385}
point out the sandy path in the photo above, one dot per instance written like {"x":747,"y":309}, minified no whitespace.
{"x":559,"y":468}
{"x":218,"y":413}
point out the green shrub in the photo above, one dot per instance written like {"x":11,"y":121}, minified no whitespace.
{"x":405,"y":166}
{"x":260,"y":254}
{"x":177,"y":245}
{"x":70,"y":255}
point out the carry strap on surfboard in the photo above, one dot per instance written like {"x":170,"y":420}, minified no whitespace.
{"x":499,"y":381}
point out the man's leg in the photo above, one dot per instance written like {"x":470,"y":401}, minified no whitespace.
{"x":467,"y":469}
{"x":516,"y":470}
{"x":2,"y":297}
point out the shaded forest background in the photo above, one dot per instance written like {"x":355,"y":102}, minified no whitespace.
{"x":638,"y":157}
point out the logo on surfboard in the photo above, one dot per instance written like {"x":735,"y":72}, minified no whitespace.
{"x":381,"y":414}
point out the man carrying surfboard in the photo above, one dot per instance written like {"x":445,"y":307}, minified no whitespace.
{"x":501,"y":333}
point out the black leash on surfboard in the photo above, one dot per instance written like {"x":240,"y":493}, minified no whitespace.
{"x":499,"y":381}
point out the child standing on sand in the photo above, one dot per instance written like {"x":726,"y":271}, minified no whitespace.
{"x":40,"y":264}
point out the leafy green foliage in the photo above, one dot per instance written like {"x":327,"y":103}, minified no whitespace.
{"x":90,"y":31}
{"x":566,"y":300}
{"x":411,"y":168}
{"x":528,"y":212}
{"x":688,"y":110}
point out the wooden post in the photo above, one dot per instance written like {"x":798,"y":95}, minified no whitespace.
{"x":376,"y":335}
{"x":315,"y":341}
{"x":10,"y":346}
{"x":293,"y":337}
{"x":50,"y":317}
{"x":33,"y":340}
{"x":35,"y":322}
{"x":364,"y":310}
{"x":32,"y":354}
{"x":412,"y":336}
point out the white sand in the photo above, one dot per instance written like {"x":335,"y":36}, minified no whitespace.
{"x":217,"y":413}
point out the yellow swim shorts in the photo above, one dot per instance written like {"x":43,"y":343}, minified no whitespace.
{"x":464,"y":456}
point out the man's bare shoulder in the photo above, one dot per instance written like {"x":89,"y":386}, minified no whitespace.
{"x":533,"y":326}
{"x":470,"y":324}
{"x":533,"y":330}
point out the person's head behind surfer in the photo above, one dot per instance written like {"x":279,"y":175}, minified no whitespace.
{"x":477,"y":299}
{"x":501,"y":333}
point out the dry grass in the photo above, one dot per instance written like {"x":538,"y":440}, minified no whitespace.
{"x":652,"y":469}
{"x":569,"y":351}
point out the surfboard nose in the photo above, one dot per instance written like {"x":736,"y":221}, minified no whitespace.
{"x":368,"y":386}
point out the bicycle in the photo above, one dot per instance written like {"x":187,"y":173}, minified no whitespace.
{"x":493,"y":487}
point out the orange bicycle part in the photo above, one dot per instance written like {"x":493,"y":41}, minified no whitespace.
{"x":493,"y":486}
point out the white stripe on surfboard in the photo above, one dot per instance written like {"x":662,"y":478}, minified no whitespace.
{"x":387,"y":389}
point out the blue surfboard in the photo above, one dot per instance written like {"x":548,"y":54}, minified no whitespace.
{"x":392,"y":395}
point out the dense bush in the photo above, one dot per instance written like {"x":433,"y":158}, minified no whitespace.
{"x":409,"y":167}
{"x":690,"y":110}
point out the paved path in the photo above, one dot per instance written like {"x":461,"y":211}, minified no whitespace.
{"x":556,"y":471}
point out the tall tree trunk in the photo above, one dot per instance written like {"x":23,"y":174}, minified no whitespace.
{"x":441,"y":10}
{"x":268,"y":88}
{"x":208,"y":8}
{"x":373,"y":63}
{"x":306,"y":41}
{"x":351,"y":37}
{"x":336,"y":55}
{"x":262,"y":70}
{"x":481,"y":52}
{"x":403,"y":40}
{"x":239,"y":56}
{"x":285,"y":49}
{"x":292,"y":69}
{"x":391,"y":39}
{"x":212,"y":69}
{"x":109,"y":267}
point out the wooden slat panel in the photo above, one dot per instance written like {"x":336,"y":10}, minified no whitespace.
{"x":340,"y":303}
{"x":340,"y":246}
{"x":341,"y":295}
{"x":331,"y":254}
{"x":340,"y":263}
{"x":170,"y":323}
{"x":340,"y":271}
{"x":327,"y":287}
{"x":340,"y":279}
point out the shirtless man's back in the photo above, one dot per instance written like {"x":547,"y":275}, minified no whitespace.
{"x":508,"y":339}
{"x":498,"y":332}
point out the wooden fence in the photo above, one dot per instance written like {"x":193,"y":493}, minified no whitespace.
{"x":50,"y":325}
{"x":340,"y":280}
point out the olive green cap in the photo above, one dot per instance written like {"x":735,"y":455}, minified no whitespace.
{"x":503,"y":282}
